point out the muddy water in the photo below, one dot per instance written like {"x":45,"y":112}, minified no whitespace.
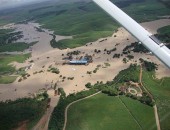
{"x":31,"y":34}
{"x":42,"y":50}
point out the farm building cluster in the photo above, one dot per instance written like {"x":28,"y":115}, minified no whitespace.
{"x":73,"y":58}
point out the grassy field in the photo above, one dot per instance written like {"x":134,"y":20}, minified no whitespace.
{"x":103,"y":112}
{"x":164,"y":30}
{"x":7,"y":79}
{"x":161,"y":92}
{"x":85,"y":21}
{"x":144,"y":114}
{"x":147,"y":11}
{"x":14,"y":47}
{"x":6,"y":59}
{"x":8,"y":40}
{"x":81,"y":39}
{"x":6,"y":70}
{"x":164,"y":34}
{"x":88,"y":25}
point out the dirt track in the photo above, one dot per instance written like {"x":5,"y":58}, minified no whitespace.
{"x":155,"y":107}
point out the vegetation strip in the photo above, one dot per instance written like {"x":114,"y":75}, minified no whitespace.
{"x":155,"y":107}
{"x":119,"y":86}
{"x":22,"y":111}
{"x":57,"y":119}
{"x":65,"y":123}
{"x":8,"y":73}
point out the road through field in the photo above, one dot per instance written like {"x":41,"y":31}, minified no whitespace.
{"x":65,"y":122}
{"x":155,"y":107}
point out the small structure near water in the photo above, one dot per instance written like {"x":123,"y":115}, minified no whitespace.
{"x":78,"y":62}
{"x":82,"y":61}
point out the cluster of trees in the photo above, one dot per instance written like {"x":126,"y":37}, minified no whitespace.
{"x":39,"y":29}
{"x":130,"y":57}
{"x":145,"y":99}
{"x":54,"y":70}
{"x":149,"y":66}
{"x":97,"y":51}
{"x":88,"y":85}
{"x":110,"y":51}
{"x":139,"y":48}
{"x":128,"y":48}
{"x":24,"y":76}
{"x":125,"y":60}
{"x":95,"y":70}
{"x":53,"y":42}
{"x":106,"y":64}
{"x":58,"y":116}
{"x":127,"y":75}
{"x":62,"y":93}
{"x":135,"y":47}
{"x":89,"y":72}
{"x":103,"y":40}
{"x":7,"y":36}
{"x":164,"y":35}
{"x":73,"y":53}
{"x":70,"y":78}
{"x":111,"y":88}
{"x":13,"y":113}
{"x":116,"y":56}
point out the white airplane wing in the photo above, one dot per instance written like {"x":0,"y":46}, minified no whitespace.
{"x":146,"y":38}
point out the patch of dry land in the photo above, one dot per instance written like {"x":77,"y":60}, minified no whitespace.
{"x":45,"y":57}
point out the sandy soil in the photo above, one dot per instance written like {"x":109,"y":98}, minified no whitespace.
{"x":44,"y":56}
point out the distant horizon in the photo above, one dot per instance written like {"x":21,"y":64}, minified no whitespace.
{"x":5,"y":4}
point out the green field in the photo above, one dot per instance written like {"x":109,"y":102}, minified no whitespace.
{"x":142,"y":113}
{"x":8,"y":40}
{"x":81,"y":39}
{"x":103,"y":112}
{"x":14,"y":47}
{"x":92,"y":23}
{"x":161,"y":92}
{"x":147,"y":11}
{"x":164,"y":30}
{"x":6,"y":70}
{"x":84,"y":21}
{"x":164,"y":34}
{"x":7,"y":79}
{"x":6,"y":59}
